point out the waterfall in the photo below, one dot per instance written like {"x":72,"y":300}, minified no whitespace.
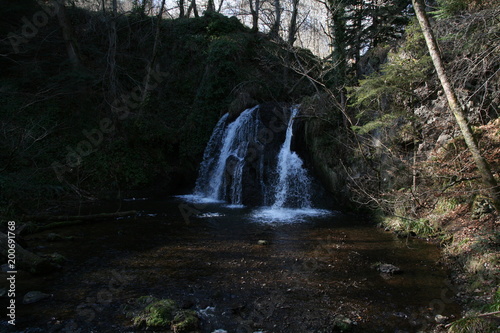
{"x":294,"y":185}
{"x":250,"y":161}
{"x":222,"y":168}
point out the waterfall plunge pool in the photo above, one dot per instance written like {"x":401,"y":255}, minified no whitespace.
{"x":269,"y":214}
{"x":307,"y":275}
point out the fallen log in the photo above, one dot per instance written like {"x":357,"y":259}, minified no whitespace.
{"x":47,"y":222}
{"x":91,"y":217}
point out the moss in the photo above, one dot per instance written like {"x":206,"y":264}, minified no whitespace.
{"x":185,"y":321}
{"x":152,"y":312}
{"x":159,"y":313}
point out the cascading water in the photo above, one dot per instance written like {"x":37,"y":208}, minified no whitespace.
{"x":221,"y":171}
{"x":293,"y":188}
{"x":249,"y":160}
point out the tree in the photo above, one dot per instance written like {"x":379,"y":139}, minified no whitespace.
{"x":181,"y":9}
{"x":69,"y":39}
{"x":292,"y":30}
{"x":113,"y":40}
{"x":192,"y":7}
{"x":275,"y":28}
{"x":457,"y":110}
{"x":154,"y":53}
{"x":254,"y":10}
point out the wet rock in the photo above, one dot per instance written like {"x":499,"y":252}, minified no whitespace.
{"x":53,"y":237}
{"x":342,"y":324}
{"x":34,"y":296}
{"x":151,"y":312}
{"x":57,"y":258}
{"x":388,"y":269}
{"x":440,"y":319}
{"x":263,"y":242}
{"x":158,"y":313}
{"x":185,"y":321}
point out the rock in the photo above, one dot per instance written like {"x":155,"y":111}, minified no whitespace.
{"x":25,"y":259}
{"x":219,"y":331}
{"x":158,"y":313}
{"x":440,"y":319}
{"x":185,"y":321}
{"x":57,"y":258}
{"x":388,"y":269}
{"x":151,"y":312}
{"x":343,"y":323}
{"x":263,"y":242}
{"x":34,"y":296}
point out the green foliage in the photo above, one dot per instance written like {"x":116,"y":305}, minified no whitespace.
{"x":449,"y":8}
{"x":158,"y":313}
{"x":384,"y":121}
{"x":222,"y":25}
{"x":153,"y":313}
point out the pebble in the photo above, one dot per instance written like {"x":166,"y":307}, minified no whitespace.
{"x":34,"y":296}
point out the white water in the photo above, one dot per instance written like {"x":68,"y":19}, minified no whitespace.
{"x":294,"y":185}
{"x":226,"y":152}
{"x":287,"y":187}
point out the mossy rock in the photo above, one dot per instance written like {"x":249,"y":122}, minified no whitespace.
{"x":342,"y":324}
{"x":185,"y":321}
{"x":157,"y":314}
{"x":151,"y":312}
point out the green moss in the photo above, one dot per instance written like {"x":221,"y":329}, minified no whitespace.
{"x":185,"y":321}
{"x":159,"y":313}
{"x":151,"y":312}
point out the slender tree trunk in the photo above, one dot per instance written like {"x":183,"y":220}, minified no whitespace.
{"x":221,"y":2}
{"x":154,"y":54}
{"x":275,"y":29}
{"x":69,"y":39}
{"x":143,"y":7}
{"x":210,"y":6}
{"x":254,"y":10}
{"x":459,"y":113}
{"x":112,"y":52}
{"x":192,"y":7}
{"x":181,"y":9}
{"x":292,"y":31}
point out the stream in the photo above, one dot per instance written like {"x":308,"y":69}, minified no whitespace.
{"x":241,"y":269}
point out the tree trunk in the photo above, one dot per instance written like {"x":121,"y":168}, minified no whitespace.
{"x":192,"y":7}
{"x":292,"y":31}
{"x":254,"y":10}
{"x":112,"y":53}
{"x":69,"y":39}
{"x":459,"y":113}
{"x":221,"y":2}
{"x":211,"y":6}
{"x":154,"y":54}
{"x":275,"y":29}
{"x":181,"y":9}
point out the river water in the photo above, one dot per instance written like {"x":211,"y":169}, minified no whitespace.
{"x":314,"y":269}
